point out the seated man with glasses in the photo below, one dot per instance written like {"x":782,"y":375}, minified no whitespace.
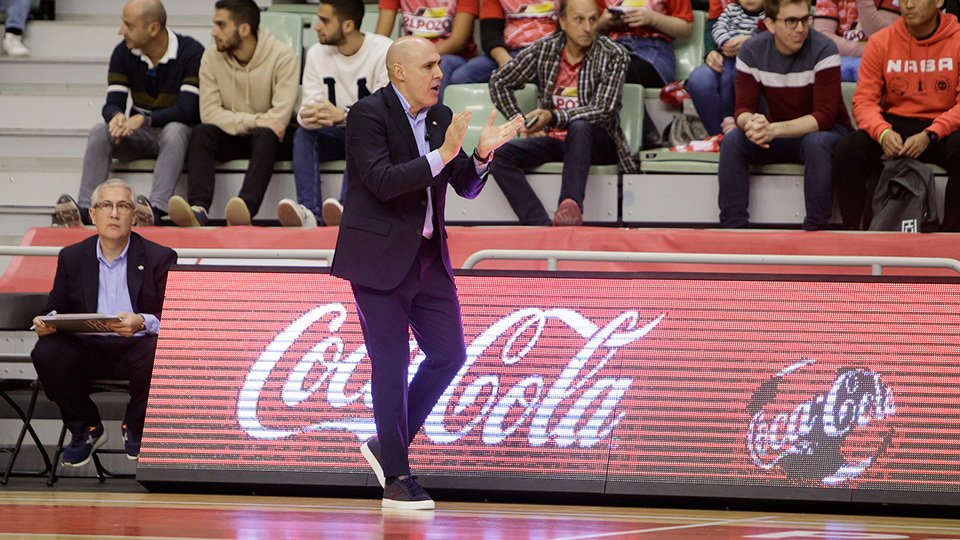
{"x":798,"y":73}
{"x":117,"y":272}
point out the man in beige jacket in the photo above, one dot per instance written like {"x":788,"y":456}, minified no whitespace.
{"x":248,"y":97}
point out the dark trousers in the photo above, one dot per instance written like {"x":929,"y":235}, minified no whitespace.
{"x":814,"y":150}
{"x":210,"y":144}
{"x":425,"y":302}
{"x":856,"y":172}
{"x":66,"y":362}
{"x":586,"y":145}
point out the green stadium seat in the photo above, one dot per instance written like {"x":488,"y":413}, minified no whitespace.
{"x":689,"y":51}
{"x":287,"y":27}
{"x":476,"y":99}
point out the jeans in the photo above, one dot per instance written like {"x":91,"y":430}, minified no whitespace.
{"x":17,"y":11}
{"x":448,"y":64}
{"x":586,"y":144}
{"x":655,"y":51}
{"x":849,"y":68}
{"x":478,"y":70}
{"x":814,"y":150}
{"x":210,"y":144}
{"x":857,"y":172}
{"x":714,"y":94}
{"x":167,"y":144}
{"x":310,"y":148}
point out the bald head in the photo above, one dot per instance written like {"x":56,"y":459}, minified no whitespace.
{"x":148,"y":12}
{"x":405,"y":52}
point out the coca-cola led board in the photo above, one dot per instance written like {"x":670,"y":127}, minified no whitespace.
{"x":838,"y":389}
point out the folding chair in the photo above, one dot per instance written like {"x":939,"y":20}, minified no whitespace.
{"x":8,"y":385}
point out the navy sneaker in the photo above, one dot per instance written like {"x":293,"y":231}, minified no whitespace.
{"x":406,"y":494}
{"x":130,"y":443}
{"x":82,"y":445}
{"x":371,"y":451}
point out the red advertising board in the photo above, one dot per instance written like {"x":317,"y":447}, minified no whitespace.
{"x":679,"y":380}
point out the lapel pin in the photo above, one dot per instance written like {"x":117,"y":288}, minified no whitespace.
{"x":434,"y":122}
{"x":140,"y":267}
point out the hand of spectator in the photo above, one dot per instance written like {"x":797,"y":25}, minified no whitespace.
{"x":132,"y":124}
{"x":543,"y":117}
{"x":493,"y":137}
{"x":115,"y":126}
{"x":914,"y":146}
{"x":892,"y":144}
{"x":758,"y":131}
{"x":323,"y":113}
{"x":41,"y":328}
{"x":453,"y":139}
{"x":273,"y":124}
{"x":640,"y":17}
{"x":732,"y":46}
{"x":128,"y":325}
{"x":715,"y":61}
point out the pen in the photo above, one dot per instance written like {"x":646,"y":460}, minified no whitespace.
{"x":34,"y":327}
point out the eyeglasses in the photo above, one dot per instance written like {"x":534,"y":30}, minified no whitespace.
{"x":123,"y":208}
{"x":792,"y":22}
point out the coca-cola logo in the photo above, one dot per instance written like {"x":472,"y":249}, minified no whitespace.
{"x":579,"y":405}
{"x":813,"y":441}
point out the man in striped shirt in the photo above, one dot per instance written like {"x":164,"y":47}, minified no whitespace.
{"x":798,"y":73}
{"x":160,"y":69}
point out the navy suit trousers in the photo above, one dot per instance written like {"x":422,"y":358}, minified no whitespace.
{"x":425,"y":302}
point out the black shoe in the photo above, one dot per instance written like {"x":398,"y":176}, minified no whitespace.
{"x":66,"y":213}
{"x":371,"y":451}
{"x":406,"y":494}
{"x":651,"y":136}
{"x":146,"y":216}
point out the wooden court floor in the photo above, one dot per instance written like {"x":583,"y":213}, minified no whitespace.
{"x":42,"y":515}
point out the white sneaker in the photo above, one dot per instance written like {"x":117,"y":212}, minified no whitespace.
{"x":13,"y":45}
{"x":331,"y":212}
{"x":292,"y":214}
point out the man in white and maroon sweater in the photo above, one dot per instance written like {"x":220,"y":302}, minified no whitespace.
{"x":797,"y":72}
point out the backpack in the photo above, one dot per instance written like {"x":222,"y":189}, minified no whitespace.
{"x":905,"y":199}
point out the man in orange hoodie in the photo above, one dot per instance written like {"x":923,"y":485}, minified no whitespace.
{"x":907,"y":104}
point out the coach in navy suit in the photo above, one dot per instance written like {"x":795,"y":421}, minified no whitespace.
{"x":118,"y":273}
{"x":402,"y":151}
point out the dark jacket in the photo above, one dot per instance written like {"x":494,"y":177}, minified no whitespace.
{"x":905,"y":199}
{"x":78,"y":276}
{"x":387,"y":181}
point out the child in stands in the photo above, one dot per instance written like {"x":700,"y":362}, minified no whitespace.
{"x":712,"y":86}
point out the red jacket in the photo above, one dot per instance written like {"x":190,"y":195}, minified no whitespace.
{"x":906,"y":77}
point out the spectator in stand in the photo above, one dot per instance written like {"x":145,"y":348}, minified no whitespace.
{"x":907,"y":104}
{"x":160,"y":69}
{"x":448,"y":24}
{"x":17,"y":11}
{"x":507,"y":27}
{"x":712,"y":85}
{"x":578,"y":120}
{"x":798,"y":73}
{"x":248,"y":94}
{"x":345,"y":66}
{"x":116,"y":272}
{"x":849,"y":26}
{"x":646,"y":28}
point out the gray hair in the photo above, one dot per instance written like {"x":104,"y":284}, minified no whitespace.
{"x":113,"y":182}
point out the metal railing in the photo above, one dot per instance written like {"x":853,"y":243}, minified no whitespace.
{"x":876,"y":264}
{"x":195,"y":253}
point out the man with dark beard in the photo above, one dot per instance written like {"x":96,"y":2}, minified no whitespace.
{"x":347,"y":65}
{"x":248,"y":91}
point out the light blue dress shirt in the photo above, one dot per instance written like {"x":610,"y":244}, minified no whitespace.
{"x":113,"y":294}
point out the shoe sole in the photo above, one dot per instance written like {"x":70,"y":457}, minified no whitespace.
{"x":375,"y":465}
{"x":409,"y":505}
{"x":96,"y":444}
{"x":288,"y":216}
{"x":237,"y":213}
{"x":568,"y":215}
{"x":133,"y":458}
{"x":181,"y":213}
{"x":145,"y":211}
{"x":331,"y":215}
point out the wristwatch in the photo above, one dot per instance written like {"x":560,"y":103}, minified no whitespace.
{"x":931,"y":135}
{"x":480,"y":160}
{"x":143,"y":323}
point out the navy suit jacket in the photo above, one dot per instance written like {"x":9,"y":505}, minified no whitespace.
{"x":78,"y":276}
{"x":387,"y":182}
